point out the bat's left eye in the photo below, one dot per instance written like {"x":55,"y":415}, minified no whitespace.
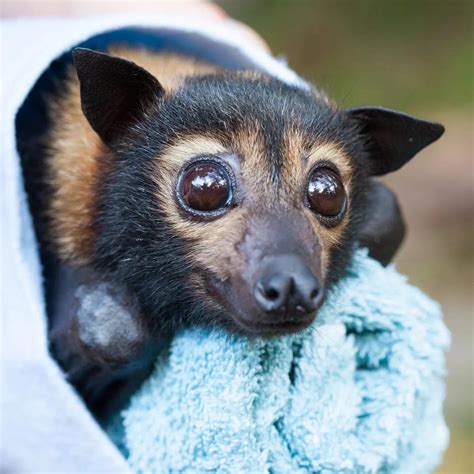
{"x":205,"y":187}
{"x":326,"y":195}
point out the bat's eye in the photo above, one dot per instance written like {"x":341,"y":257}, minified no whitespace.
{"x":325,"y":194}
{"x":205,"y":187}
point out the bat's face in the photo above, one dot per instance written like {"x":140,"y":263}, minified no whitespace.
{"x":255,"y":181}
{"x":261,"y":193}
{"x":237,"y":199}
{"x":261,"y":239}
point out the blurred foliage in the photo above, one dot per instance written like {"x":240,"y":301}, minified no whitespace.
{"x":406,"y":54}
{"x":459,"y":458}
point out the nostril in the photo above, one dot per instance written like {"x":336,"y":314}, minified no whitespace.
{"x":314,"y":294}
{"x":308,"y":293}
{"x":272,"y":294}
{"x":315,"y":299}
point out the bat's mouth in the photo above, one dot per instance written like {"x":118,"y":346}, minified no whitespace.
{"x":273,"y":328}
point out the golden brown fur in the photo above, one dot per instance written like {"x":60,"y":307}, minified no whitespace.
{"x":76,"y":156}
{"x":170,"y":69}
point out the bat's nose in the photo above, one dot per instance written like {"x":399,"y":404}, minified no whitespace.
{"x":287,"y":288}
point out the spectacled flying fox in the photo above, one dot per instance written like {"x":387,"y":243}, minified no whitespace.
{"x":174,"y":192}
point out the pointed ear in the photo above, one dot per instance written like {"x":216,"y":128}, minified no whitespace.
{"x":394,"y":137}
{"x":114,"y":92}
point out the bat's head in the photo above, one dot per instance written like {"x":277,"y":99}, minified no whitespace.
{"x":234,"y":198}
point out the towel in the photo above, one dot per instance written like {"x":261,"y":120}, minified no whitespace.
{"x":359,"y":391}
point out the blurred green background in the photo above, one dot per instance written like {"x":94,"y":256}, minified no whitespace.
{"x":416,"y":56}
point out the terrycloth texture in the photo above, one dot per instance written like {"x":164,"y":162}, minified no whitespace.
{"x":361,"y":391}
{"x":45,"y":427}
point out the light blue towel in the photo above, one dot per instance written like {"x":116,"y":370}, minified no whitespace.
{"x":360,"y":391}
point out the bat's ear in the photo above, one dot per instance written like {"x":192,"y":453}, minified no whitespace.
{"x":393,"y":137}
{"x":114,"y":92}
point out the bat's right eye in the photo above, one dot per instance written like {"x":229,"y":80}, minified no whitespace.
{"x":205,"y":188}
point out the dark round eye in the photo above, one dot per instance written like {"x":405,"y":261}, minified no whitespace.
{"x":205,"y":187}
{"x":326,"y":194}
